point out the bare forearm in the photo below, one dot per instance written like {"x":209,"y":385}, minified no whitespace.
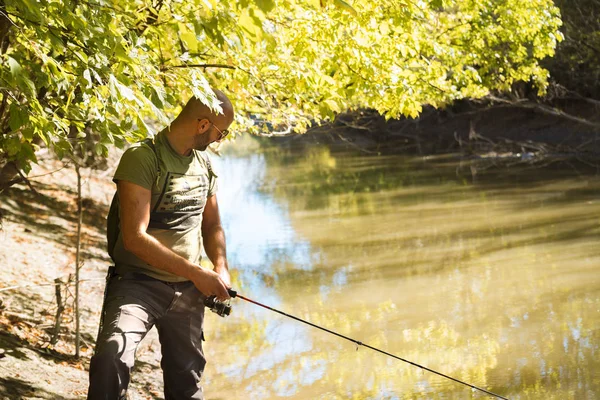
{"x":214,"y":244}
{"x":150,"y":250}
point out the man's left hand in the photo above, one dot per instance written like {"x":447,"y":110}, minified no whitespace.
{"x":224,"y":274}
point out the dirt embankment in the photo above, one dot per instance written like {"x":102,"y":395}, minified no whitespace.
{"x":38,"y":240}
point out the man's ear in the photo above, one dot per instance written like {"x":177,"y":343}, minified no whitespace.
{"x":204,"y":125}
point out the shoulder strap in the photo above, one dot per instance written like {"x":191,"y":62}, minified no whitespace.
{"x":211,"y":172}
{"x":150,"y":142}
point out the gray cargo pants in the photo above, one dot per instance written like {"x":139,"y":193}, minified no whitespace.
{"x":135,"y":303}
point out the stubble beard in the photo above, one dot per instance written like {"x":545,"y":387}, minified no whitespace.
{"x":200,"y":142}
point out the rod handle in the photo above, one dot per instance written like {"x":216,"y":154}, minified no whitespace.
{"x":232,"y":293}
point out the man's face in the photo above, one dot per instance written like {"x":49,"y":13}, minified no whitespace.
{"x":213,"y":134}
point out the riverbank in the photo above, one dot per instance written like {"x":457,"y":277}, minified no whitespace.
{"x":491,"y":130}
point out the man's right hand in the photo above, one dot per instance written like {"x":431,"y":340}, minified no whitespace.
{"x":210,"y":284}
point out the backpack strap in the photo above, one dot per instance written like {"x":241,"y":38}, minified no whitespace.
{"x":150,"y":143}
{"x":112,"y":226}
{"x":211,"y":172}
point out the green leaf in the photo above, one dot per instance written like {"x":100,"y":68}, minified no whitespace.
{"x":28,"y":133}
{"x":87,"y":76}
{"x":18,"y":117}
{"x":333,"y":105}
{"x":203,"y":92}
{"x":188,"y":37}
{"x":27,"y":154}
{"x":122,"y":90}
{"x":15,"y":67}
{"x":32,"y":7}
{"x":341,"y":4}
{"x":141,"y":125}
{"x":19,"y":76}
{"x":265,"y":5}
{"x":251,"y":25}
{"x":122,"y":54}
{"x":436,"y":4}
{"x":43,"y":133}
{"x":100,"y":150}
{"x":12,"y":146}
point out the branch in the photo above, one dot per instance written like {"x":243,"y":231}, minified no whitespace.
{"x":3,"y":106}
{"x":352,"y":144}
{"x":24,"y":179}
{"x":63,"y":34}
{"x":5,"y":14}
{"x":432,"y":85}
{"x":452,"y":28}
{"x":286,"y":132}
{"x":546,"y":109}
{"x":355,"y":72}
{"x":49,"y":173}
{"x":589,"y":46}
{"x":199,"y":66}
{"x":352,"y":125}
{"x":580,"y":97}
{"x":151,"y":19}
{"x":5,"y":25}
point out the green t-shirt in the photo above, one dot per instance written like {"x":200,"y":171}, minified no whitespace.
{"x":180,"y":187}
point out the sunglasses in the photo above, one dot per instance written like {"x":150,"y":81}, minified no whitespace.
{"x":222,"y":134}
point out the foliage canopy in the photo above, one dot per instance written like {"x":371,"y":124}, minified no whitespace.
{"x":577,"y":62}
{"x":108,"y":71}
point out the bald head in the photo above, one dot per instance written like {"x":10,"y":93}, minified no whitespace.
{"x":197,"y":126}
{"x":195,"y":109}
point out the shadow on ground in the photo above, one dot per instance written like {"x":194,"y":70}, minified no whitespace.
{"x":15,"y":388}
{"x":54,"y":218}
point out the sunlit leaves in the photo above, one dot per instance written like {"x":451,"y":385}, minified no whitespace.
{"x":119,"y":68}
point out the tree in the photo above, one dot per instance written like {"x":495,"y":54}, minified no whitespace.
{"x":114,"y":70}
{"x":577,"y":62}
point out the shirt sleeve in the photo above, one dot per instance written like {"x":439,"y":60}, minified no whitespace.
{"x":138,"y":165}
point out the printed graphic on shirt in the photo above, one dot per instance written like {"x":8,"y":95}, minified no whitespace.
{"x":181,"y":202}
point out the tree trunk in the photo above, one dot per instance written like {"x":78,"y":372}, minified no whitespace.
{"x":78,"y":259}
{"x":9,"y":175}
{"x":8,"y":170}
{"x":5,"y":25}
{"x":60,"y":308}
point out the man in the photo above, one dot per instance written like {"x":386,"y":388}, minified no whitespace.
{"x":168,"y":213}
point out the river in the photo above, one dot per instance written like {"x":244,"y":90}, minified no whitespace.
{"x":486,"y":274}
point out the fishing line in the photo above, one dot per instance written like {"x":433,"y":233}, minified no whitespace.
{"x":234,"y":294}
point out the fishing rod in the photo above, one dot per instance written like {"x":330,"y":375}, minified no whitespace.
{"x":224,"y":309}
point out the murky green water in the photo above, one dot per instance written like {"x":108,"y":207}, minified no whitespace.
{"x":491,"y":276}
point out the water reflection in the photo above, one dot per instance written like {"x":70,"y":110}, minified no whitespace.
{"x":492,"y":280}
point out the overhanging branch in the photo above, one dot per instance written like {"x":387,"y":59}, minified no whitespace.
{"x":225,"y":66}
{"x":545,"y":109}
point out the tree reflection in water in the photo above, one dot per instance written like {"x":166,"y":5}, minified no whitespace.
{"x":493,"y":282}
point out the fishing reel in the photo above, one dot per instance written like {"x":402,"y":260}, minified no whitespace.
{"x":221,"y":308}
